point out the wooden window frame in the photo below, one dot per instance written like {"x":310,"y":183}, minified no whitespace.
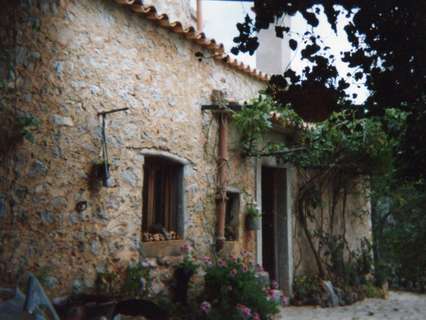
{"x":233,"y":205}
{"x":163,"y":194}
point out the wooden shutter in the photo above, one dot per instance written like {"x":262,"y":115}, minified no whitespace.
{"x":160,"y":194}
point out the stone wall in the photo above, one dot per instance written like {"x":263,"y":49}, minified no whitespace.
{"x":351,"y":219}
{"x":73,"y":59}
{"x":62,"y":63}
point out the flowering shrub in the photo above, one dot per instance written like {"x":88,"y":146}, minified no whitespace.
{"x":188,"y":263}
{"x":205,"y":307}
{"x":233,"y":291}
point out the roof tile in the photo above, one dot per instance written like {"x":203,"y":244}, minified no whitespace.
{"x":217,"y":49}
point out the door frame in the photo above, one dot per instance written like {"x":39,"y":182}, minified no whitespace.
{"x":288,"y":226}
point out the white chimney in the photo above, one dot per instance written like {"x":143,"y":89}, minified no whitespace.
{"x":273,"y":54}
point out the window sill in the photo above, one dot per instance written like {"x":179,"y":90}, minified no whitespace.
{"x":166,"y":248}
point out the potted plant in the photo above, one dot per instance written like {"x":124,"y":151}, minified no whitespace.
{"x":183,"y":273}
{"x":253,"y":218}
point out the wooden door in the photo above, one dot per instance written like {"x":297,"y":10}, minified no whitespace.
{"x":274,"y":210}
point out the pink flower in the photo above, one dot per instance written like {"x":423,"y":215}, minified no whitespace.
{"x":245,"y":311}
{"x":285,"y":301}
{"x":186,"y":248}
{"x":256,"y":316}
{"x":205,"y":307}
{"x":275,"y":295}
{"x":245,"y":269}
{"x":233,"y":258}
{"x":247,"y":254}
{"x":221,"y":263}
{"x":207,"y":260}
{"x":233,"y":272}
{"x":274,"y":285}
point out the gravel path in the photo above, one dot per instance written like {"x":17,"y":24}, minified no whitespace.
{"x":399,"y":306}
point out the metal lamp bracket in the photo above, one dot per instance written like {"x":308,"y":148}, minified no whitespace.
{"x":107,"y":181}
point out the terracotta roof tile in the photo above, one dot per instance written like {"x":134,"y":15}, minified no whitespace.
{"x":217,"y":49}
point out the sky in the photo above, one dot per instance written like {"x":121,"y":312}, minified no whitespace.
{"x":221,"y":17}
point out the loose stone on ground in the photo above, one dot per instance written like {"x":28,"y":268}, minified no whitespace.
{"x":399,"y":306}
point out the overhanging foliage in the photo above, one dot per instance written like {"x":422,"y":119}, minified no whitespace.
{"x":362,"y":144}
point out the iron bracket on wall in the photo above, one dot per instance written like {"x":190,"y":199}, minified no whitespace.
{"x":106,"y":176}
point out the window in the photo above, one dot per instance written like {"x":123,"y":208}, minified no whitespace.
{"x":162,"y":199}
{"x":232,"y":216}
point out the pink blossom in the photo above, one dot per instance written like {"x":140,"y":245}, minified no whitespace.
{"x":207,"y":260}
{"x":285,"y":301}
{"x":245,"y":269}
{"x":186,"y":248}
{"x":245,"y":253}
{"x":275,"y":295}
{"x":245,"y":311}
{"x":233,"y":272}
{"x":233,"y":258}
{"x":221,"y":263}
{"x":205,"y":307}
{"x":256,"y":316}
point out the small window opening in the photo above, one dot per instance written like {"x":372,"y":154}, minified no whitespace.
{"x":162,"y":199}
{"x":232,"y":216}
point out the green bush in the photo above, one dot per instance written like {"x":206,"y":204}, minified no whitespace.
{"x":107,"y":283}
{"x":371,"y":291}
{"x":399,"y":224}
{"x":306,"y":289}
{"x":138,"y":281}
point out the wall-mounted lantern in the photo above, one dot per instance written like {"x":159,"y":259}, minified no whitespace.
{"x":106,"y":176}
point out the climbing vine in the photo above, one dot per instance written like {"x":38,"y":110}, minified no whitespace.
{"x":331,"y":158}
{"x":345,"y":140}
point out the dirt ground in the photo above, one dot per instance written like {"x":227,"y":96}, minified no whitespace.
{"x":399,"y":306}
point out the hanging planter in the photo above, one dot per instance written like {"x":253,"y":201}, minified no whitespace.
{"x":313,"y":102}
{"x":253,"y":218}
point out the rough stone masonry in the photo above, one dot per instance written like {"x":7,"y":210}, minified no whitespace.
{"x":64,"y":61}
{"x":71,"y":60}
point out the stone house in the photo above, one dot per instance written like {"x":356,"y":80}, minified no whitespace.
{"x":67,"y":64}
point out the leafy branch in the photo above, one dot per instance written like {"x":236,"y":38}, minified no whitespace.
{"x":332,"y":153}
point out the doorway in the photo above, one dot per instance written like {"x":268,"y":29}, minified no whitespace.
{"x":276,"y":253}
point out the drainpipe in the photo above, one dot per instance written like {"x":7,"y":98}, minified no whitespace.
{"x":199,"y":16}
{"x":222,"y":179}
